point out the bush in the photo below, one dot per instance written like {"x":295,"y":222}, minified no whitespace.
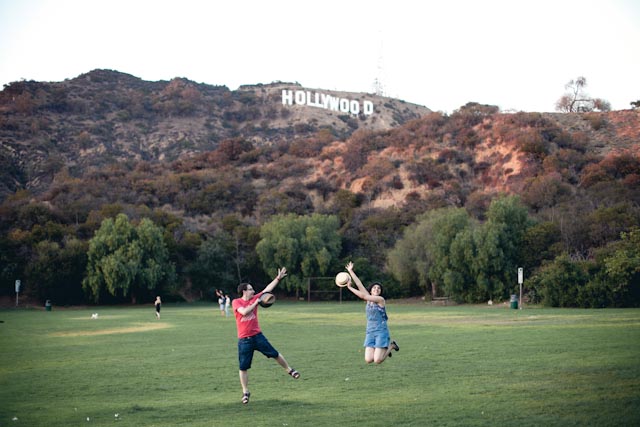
{"x":596,"y":120}
{"x":559,"y":282}
{"x":595,"y":294}
{"x":532,"y":142}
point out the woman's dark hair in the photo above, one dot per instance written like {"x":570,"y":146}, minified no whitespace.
{"x":374,"y":284}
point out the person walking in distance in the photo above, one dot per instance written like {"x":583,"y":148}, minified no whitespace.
{"x":250,"y":337}
{"x":158,"y":304}
{"x":221,"y":301}
{"x":227,"y":304}
{"x":377,"y":341}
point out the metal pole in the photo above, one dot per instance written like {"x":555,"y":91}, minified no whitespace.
{"x":520,"y":300}
{"x":18,"y":283}
{"x":520,"y":280}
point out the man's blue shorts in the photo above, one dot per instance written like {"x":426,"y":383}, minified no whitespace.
{"x":246,"y":347}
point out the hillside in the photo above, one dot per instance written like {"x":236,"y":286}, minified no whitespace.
{"x":238,"y":146}
{"x":104,"y":118}
{"x":107,"y":117}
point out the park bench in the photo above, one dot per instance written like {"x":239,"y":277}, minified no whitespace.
{"x":440,"y":301}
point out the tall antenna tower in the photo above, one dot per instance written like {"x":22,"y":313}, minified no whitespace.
{"x":378,"y":81}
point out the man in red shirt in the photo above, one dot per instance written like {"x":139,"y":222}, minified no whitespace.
{"x":250,"y":337}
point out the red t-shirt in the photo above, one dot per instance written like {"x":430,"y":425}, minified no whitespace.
{"x":248,"y":325}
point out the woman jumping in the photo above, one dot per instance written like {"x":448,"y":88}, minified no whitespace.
{"x":377,"y":342}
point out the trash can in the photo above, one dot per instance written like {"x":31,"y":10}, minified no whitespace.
{"x":47,"y":305}
{"x":514,"y":301}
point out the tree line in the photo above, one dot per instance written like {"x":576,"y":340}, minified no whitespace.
{"x":445,"y":252}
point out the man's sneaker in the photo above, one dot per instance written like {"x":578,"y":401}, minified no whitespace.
{"x":295,"y":374}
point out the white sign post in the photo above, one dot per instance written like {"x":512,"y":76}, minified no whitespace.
{"x":17,"y":291}
{"x":520,"y":280}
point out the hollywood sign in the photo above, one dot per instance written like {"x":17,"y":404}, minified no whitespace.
{"x":328,"y":102}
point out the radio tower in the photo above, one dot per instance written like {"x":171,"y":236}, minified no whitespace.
{"x":378,"y":84}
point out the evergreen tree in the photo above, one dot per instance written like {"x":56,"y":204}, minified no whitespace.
{"x":126,"y":260}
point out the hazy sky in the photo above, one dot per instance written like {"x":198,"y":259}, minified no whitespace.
{"x":440,"y":54}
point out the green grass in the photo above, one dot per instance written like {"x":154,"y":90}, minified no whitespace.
{"x":461,"y":365}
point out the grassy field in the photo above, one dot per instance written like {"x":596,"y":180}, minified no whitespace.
{"x":457,"y":366}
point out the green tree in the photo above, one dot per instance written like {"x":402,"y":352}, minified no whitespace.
{"x":447,"y":224}
{"x":491,"y":264}
{"x":56,"y":269}
{"x":409,"y":262}
{"x":423,"y":253}
{"x":306,"y":245}
{"x":378,"y":230}
{"x":499,"y":244}
{"x":541,"y":242}
{"x":244,"y":238}
{"x":607,"y":222}
{"x":623,"y":269}
{"x":459,"y":280}
{"x":212,"y":269}
{"x":126,"y":260}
